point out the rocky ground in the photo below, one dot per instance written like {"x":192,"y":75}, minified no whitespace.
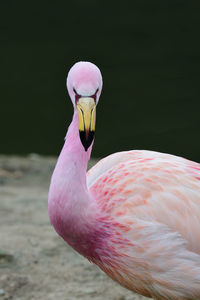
{"x":34,"y":262}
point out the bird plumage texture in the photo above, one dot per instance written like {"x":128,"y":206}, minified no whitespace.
{"x":136,"y":214}
{"x":155,"y":197}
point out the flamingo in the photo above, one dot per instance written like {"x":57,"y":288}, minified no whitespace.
{"x":135,"y":214}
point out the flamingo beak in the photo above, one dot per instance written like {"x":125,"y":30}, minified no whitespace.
{"x":86,"y":108}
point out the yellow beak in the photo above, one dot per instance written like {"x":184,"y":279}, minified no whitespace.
{"x":86,"y":108}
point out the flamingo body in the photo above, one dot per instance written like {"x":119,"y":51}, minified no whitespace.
{"x":136,"y":214}
{"x":153,"y":201}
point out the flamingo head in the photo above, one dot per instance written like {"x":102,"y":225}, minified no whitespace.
{"x":84,"y":84}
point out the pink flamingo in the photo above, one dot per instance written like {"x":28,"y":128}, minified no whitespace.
{"x":136,"y":214}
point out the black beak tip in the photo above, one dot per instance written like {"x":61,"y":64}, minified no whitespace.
{"x":86,"y":147}
{"x":86,"y":140}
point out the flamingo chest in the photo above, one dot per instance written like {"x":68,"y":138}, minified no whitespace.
{"x":88,"y":239}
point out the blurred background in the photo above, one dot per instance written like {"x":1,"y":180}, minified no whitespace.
{"x":149,"y":56}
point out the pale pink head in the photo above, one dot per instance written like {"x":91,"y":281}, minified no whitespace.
{"x":84,"y":84}
{"x":84,"y":79}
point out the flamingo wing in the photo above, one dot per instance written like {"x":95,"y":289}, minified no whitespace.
{"x":155,"y":197}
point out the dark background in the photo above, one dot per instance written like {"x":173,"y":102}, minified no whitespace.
{"x":149,"y":55}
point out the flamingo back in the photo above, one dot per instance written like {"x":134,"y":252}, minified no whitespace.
{"x":154,"y":199}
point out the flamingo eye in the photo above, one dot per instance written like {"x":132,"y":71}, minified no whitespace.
{"x":75,"y":91}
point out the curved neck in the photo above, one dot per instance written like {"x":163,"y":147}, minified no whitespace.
{"x":73,"y":153}
{"x":73,"y":211}
{"x":69,"y":198}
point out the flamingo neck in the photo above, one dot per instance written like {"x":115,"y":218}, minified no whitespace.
{"x":72,"y":162}
{"x":73,"y":211}
{"x":73,"y":153}
{"x":71,"y":207}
